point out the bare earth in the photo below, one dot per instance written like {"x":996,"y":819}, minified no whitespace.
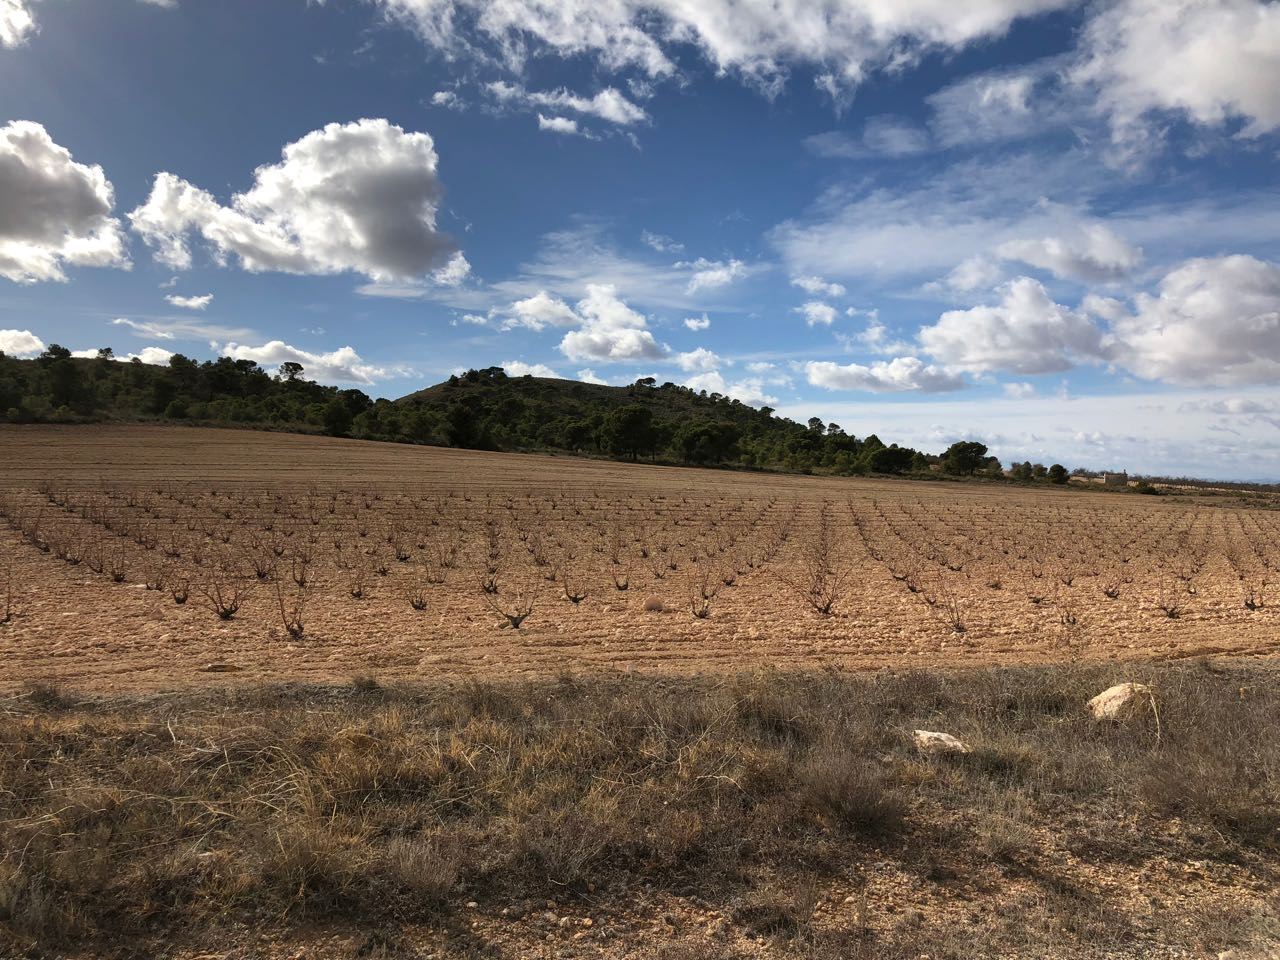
{"x":1030,"y":575}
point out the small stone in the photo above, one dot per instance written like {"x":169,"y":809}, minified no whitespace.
{"x":654,"y":604}
{"x":588,"y":922}
{"x":931,"y":741}
{"x":1115,"y":701}
{"x":471,"y":905}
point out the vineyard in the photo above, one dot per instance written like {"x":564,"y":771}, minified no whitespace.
{"x":136,"y":568}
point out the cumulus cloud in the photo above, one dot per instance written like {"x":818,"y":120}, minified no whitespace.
{"x":518,"y":368}
{"x":454,"y":273}
{"x":1210,"y":60}
{"x":817,"y":313}
{"x":156,"y":356}
{"x":818,"y":287}
{"x":1019,"y":391}
{"x":359,"y":197}
{"x":1026,"y":332}
{"x":1091,"y":252}
{"x":750,"y":390}
{"x":1214,"y":322}
{"x":756,"y":39}
{"x":540,"y":311}
{"x":699,"y":360}
{"x":611,"y":331}
{"x":54,"y":212}
{"x":20,"y":343}
{"x":343,"y":365}
{"x":16,"y":22}
{"x":971,"y":273}
{"x":710,"y":274}
{"x":877,"y":338}
{"x":900,"y":375}
{"x":698,"y":324}
{"x":609,"y":104}
{"x":190,"y":303}
{"x":558,"y":125}
{"x":447,"y":99}
{"x":589,"y":376}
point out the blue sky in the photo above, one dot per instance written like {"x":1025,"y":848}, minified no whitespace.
{"x":1046,"y":224}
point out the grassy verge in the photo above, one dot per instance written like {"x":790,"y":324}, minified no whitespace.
{"x":788,"y":813}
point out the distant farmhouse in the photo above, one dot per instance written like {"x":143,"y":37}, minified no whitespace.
{"x":1115,"y":479}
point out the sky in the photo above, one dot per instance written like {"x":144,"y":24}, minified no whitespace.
{"x":1049,"y":225}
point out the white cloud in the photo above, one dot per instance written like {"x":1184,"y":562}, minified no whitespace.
{"x":558,"y":125}
{"x":190,"y":303}
{"x":882,"y":136}
{"x":611,"y":331}
{"x":1091,"y":252}
{"x":698,"y":324}
{"x":156,"y":356}
{"x":818,"y":287}
{"x":454,"y":273}
{"x":54,"y":212}
{"x":541,"y":311}
{"x":751,"y":390}
{"x":20,"y":343}
{"x":1214,"y":322}
{"x":1019,"y":390}
{"x":699,"y":360}
{"x":1159,"y":431}
{"x":816,"y":312}
{"x":900,"y":375}
{"x":710,"y":274}
{"x":662,"y":244}
{"x":518,"y":368}
{"x":343,"y":365}
{"x":760,"y":366}
{"x":1108,"y":308}
{"x":609,"y":104}
{"x":16,"y":22}
{"x":589,"y":376}
{"x":923,"y":229}
{"x":1210,"y":60}
{"x":571,"y":260}
{"x":181,"y":329}
{"x":756,"y":39}
{"x":447,"y":99}
{"x":994,"y":106}
{"x":971,"y":273}
{"x":876,"y":337}
{"x":358,"y":197}
{"x":1027,"y":332}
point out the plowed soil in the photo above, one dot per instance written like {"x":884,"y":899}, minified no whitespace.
{"x":102,"y":525}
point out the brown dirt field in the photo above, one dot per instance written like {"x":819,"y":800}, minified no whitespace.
{"x":1026,"y":572}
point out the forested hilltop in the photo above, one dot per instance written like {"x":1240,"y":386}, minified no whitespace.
{"x":481,"y":409}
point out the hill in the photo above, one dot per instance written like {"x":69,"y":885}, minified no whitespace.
{"x":486,"y":409}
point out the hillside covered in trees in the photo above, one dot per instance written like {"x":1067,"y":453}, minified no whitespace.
{"x":481,"y":409}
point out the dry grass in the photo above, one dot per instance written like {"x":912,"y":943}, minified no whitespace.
{"x":130,"y":821}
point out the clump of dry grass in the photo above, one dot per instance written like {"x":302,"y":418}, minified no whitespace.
{"x":379,"y":805}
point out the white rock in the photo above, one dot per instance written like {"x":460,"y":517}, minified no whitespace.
{"x":1114,"y":701}
{"x":931,"y":741}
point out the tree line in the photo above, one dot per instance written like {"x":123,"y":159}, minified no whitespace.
{"x":480,"y":409}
